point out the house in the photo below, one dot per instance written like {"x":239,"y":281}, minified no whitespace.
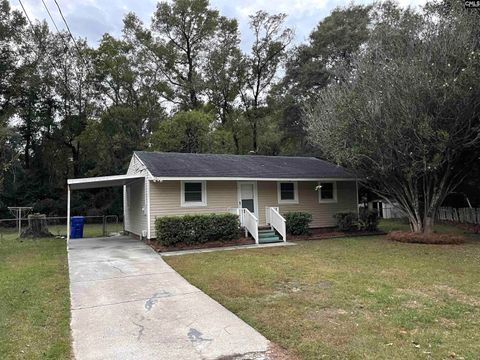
{"x":257,"y":188}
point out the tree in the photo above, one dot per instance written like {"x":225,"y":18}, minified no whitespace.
{"x":267,"y":55}
{"x":312,"y":66}
{"x":407,"y":118}
{"x":333,"y":42}
{"x":12,"y":30}
{"x":178,"y":39}
{"x":131,"y":107}
{"x":224,"y":70}
{"x":186,"y":131}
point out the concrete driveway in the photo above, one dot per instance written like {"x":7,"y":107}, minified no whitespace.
{"x":127,"y":303}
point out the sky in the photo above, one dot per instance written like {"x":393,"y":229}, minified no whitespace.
{"x":92,"y":18}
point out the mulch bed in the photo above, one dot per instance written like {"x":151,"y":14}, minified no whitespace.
{"x":331,"y":233}
{"x":211,"y":244}
{"x":316,"y":234}
{"x":434,"y":238}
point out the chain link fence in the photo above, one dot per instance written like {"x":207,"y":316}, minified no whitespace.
{"x":95,"y":226}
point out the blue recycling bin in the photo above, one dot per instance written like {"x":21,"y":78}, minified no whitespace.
{"x":76,"y":227}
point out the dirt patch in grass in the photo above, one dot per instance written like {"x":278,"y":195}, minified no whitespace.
{"x":435,"y":238}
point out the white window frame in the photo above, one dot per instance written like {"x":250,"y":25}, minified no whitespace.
{"x":184,"y":203}
{"x":326,"y":201}
{"x":295,"y":192}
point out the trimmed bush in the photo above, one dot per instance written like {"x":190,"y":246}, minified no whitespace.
{"x":435,"y":238}
{"x":346,"y":221}
{"x":298,"y":223}
{"x":368,"y":220}
{"x":196,"y":229}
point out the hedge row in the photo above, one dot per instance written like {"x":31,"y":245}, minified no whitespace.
{"x":365,"y":220}
{"x":195,"y":229}
{"x":298,"y":223}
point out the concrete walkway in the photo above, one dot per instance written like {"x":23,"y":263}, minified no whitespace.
{"x":127,"y":303}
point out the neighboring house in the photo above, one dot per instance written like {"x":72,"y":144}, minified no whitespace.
{"x":258,"y":188}
{"x":385,"y":210}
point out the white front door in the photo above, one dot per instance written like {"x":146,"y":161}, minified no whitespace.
{"x":247,"y":196}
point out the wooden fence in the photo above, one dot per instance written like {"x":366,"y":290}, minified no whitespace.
{"x":460,"y":215}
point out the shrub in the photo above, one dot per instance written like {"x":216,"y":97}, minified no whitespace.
{"x":195,"y":229}
{"x":435,"y":238}
{"x":368,"y":220}
{"x":298,"y":223}
{"x":346,"y":221}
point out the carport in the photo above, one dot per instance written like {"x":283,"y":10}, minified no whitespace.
{"x":96,"y":183}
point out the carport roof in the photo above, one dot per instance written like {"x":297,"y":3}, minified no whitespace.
{"x":102,"y":181}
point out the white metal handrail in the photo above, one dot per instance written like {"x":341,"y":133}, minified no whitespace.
{"x":250,"y":222}
{"x":278,"y":222}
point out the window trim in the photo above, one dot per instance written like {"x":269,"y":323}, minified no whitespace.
{"x":334,"y":190}
{"x":184,"y":203}
{"x":295,"y":192}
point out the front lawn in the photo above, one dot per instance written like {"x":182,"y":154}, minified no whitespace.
{"x":353,"y":298}
{"x":34,"y":299}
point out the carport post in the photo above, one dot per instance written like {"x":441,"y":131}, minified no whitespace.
{"x":68,"y":212}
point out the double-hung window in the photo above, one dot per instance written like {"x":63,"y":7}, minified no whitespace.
{"x":194,"y":193}
{"x":287,"y":192}
{"x":327,"y":192}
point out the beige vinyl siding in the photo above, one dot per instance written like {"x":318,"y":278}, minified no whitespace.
{"x":165,"y":199}
{"x":135,"y":216}
{"x":322,"y":213}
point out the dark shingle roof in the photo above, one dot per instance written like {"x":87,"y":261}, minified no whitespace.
{"x":239,"y":166}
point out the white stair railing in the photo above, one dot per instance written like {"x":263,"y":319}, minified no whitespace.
{"x":239,"y":212}
{"x":278,"y":222}
{"x":250,"y":222}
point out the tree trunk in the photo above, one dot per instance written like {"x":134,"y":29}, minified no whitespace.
{"x":424,"y":225}
{"x":37,"y":227}
{"x":428,"y":225}
{"x":255,"y":145}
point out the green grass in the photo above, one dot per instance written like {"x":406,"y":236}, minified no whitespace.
{"x":34,"y":299}
{"x":351,"y":298}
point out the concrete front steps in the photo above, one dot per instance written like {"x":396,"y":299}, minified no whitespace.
{"x":266,"y":236}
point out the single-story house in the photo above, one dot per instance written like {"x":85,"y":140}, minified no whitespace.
{"x":257,"y":188}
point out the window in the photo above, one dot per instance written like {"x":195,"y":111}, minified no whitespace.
{"x":327,"y":192}
{"x":287,"y":192}
{"x":194,"y":193}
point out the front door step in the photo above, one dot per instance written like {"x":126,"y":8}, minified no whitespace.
{"x":270,"y":239}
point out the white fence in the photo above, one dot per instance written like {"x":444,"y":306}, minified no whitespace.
{"x":460,"y":215}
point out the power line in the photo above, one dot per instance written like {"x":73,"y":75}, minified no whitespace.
{"x":68,"y":29}
{"x":54,"y":67}
{"x":50,"y":15}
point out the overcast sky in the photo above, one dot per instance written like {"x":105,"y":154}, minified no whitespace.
{"x":92,"y":18}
